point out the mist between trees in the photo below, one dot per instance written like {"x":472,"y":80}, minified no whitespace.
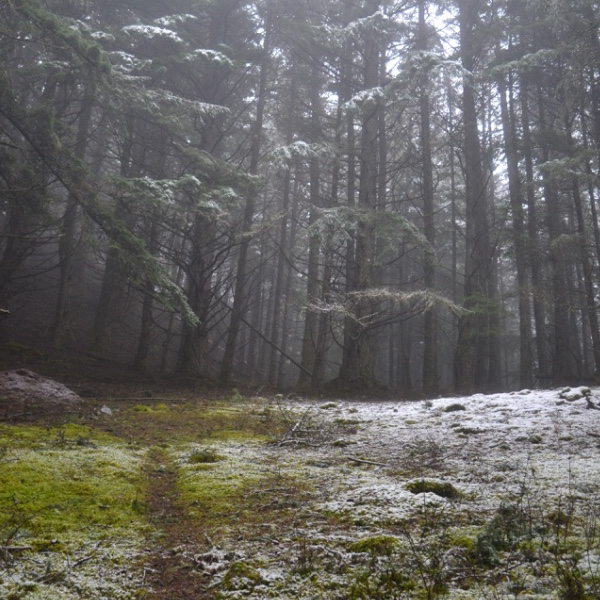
{"x":356,"y":193}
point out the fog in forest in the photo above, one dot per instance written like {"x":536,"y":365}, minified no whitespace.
{"x":307,"y":194}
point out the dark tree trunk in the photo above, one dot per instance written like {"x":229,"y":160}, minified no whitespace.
{"x":239,"y":300}
{"x":430,"y":362}
{"x":473,"y":327}
{"x":517,"y":205}
{"x":358,"y":361}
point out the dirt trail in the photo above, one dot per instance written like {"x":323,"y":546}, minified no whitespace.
{"x":170,"y":574}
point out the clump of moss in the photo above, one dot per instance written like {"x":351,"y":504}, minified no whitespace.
{"x":461,"y":538}
{"x":66,"y":491}
{"x":342,"y":421}
{"x":204,"y":456}
{"x":377,"y":545}
{"x":341,"y":443}
{"x":443,"y":490}
{"x":469,"y":430}
{"x":508,"y":525}
{"x":536,"y":438}
{"x":454,"y":407}
{"x":328,"y":406}
{"x":241,"y":576}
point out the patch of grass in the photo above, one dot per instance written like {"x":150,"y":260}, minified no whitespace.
{"x":190,"y":422}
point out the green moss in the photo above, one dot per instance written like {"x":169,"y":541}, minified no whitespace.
{"x":241,"y":576}
{"x":342,"y":421}
{"x":205,"y":455}
{"x":70,"y":434}
{"x":469,"y":430}
{"x":239,"y":435}
{"x":378,"y":545}
{"x":16,"y":349}
{"x":328,"y":406}
{"x":444,"y":490}
{"x":462,"y":538}
{"x":191,"y":422}
{"x":68,"y":493}
{"x":341,"y":443}
{"x":454,"y":407}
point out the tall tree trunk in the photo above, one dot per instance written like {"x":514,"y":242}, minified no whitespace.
{"x":535,"y":254}
{"x":283,"y":255}
{"x":358,"y":361}
{"x":113,"y":280}
{"x":239,"y":300}
{"x":430,"y":362}
{"x":193,"y":355}
{"x":144,"y":338}
{"x":311,"y":321}
{"x":517,"y":205}
{"x":564,"y":368}
{"x":67,"y":243}
{"x":590,"y":309}
{"x":473,"y":328}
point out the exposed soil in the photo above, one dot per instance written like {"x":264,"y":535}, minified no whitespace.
{"x":170,"y":575}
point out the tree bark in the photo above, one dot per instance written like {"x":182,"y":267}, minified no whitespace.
{"x":517,"y":205}
{"x":239,"y":299}
{"x":430,"y":356}
{"x":473,"y":327}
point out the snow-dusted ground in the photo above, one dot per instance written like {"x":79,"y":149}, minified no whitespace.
{"x":534,"y":450}
{"x":341,"y":522}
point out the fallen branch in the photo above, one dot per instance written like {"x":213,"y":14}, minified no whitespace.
{"x":15,"y":548}
{"x":366,"y":462}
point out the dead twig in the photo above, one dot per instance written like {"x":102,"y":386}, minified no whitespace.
{"x":366,"y":462}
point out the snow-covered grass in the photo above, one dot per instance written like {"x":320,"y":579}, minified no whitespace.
{"x":525,"y":518}
{"x":487,"y":496}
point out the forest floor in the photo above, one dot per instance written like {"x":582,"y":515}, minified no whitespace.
{"x":172,"y":495}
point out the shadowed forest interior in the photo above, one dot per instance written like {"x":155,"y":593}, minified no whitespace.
{"x":352,"y":193}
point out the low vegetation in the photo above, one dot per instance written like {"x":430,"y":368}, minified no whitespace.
{"x":256,"y":498}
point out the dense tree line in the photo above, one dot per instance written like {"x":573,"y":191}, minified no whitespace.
{"x":352,"y":192}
